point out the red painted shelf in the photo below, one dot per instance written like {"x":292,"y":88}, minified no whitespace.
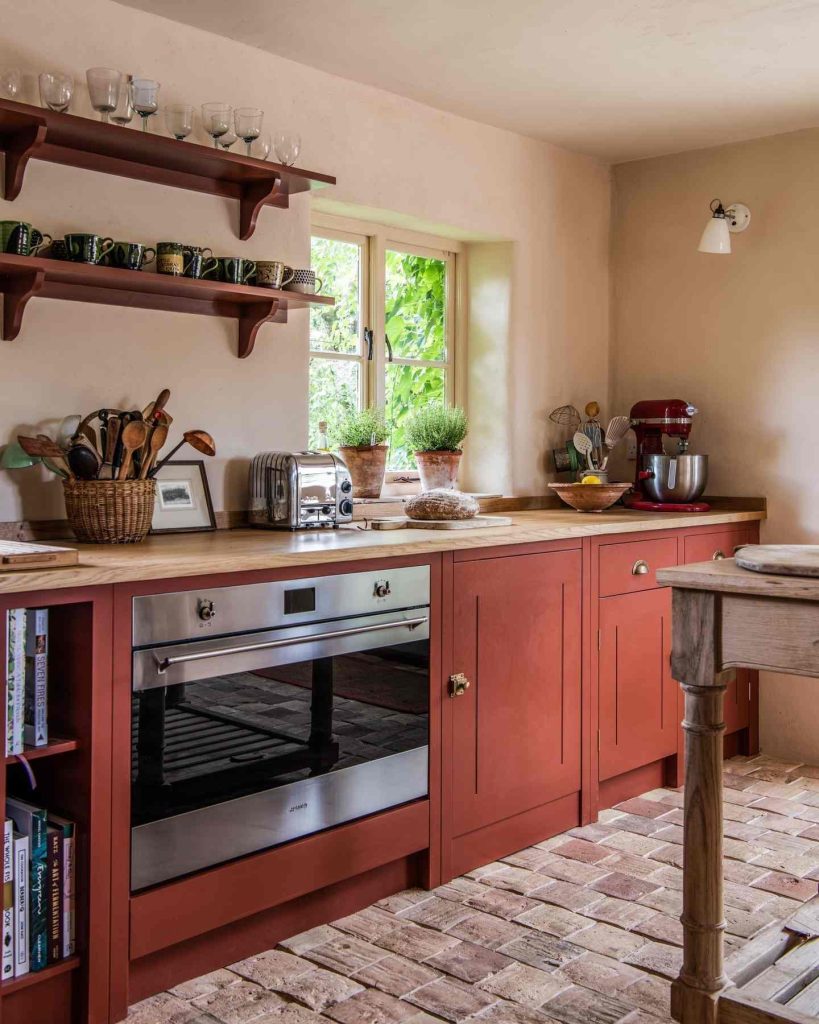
{"x":51,"y":749}
{"x":23,"y":277}
{"x":36,"y":977}
{"x":28,"y":132}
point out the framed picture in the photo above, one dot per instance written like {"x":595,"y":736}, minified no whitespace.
{"x":182,"y":503}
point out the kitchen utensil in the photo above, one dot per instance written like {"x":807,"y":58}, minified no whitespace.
{"x":132,"y":438}
{"x":247,"y":123}
{"x":130,"y":255}
{"x":20,"y":238}
{"x":104,"y":85}
{"x":306,"y":282}
{"x":156,"y":441}
{"x":13,"y":457}
{"x":15,"y":555}
{"x":593,"y":430}
{"x":69,"y":425}
{"x":583,"y":445}
{"x":84,"y":461}
{"x":236,"y":269}
{"x":677,"y":479}
{"x":179,"y":120}
{"x":145,"y":98}
{"x":478,"y":522}
{"x":617,"y":429}
{"x":113,"y":449}
{"x":56,"y":90}
{"x":198,"y":439}
{"x":87,"y":248}
{"x":780,"y":559}
{"x":566,"y":416}
{"x":590,"y":497}
{"x":199,"y":262}
{"x":217,"y":120}
{"x":44,"y":448}
{"x":273,"y":274}
{"x":170,"y":258}
{"x":287,"y":146}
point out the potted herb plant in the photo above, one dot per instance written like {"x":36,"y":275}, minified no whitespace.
{"x":361,"y":438}
{"x":436,"y":434}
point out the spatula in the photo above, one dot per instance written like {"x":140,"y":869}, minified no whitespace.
{"x":44,"y":448}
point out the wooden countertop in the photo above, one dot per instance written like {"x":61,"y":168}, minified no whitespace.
{"x":728,"y":578}
{"x":198,"y":554}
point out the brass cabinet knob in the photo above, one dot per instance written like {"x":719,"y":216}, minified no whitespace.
{"x":718,"y":555}
{"x":458,"y":685}
{"x":640,"y":568}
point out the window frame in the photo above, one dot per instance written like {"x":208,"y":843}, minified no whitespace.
{"x":375,"y":239}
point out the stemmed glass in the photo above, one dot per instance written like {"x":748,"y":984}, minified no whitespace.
{"x":104,"y":88}
{"x":11,"y":82}
{"x":260,"y":148}
{"x":179,"y":120}
{"x":145,"y":98}
{"x":56,"y":90}
{"x":226,"y":141}
{"x":248,"y":124}
{"x":216,"y":119}
{"x":287,"y":146}
{"x":124,"y":112}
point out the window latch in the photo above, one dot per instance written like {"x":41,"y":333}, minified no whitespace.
{"x":368,"y":341}
{"x":389,"y":348}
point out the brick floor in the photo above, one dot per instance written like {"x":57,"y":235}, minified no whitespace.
{"x":581,"y":929}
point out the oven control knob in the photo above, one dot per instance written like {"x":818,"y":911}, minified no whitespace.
{"x":346,"y":507}
{"x":346,"y":486}
{"x":206,"y":609}
{"x":382,"y":588}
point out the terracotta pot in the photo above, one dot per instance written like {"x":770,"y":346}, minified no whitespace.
{"x":367,"y":467}
{"x":438,"y":469}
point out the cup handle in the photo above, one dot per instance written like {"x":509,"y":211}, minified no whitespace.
{"x":250,"y":272}
{"x":210,"y":266}
{"x":106,"y":245}
{"x":319,"y":285}
{"x":187,"y":260}
{"x":35,"y":247}
{"x":146,"y":259}
{"x":287,"y":279}
{"x":207,"y":252}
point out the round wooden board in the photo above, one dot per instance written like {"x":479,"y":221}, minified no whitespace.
{"x":780,"y":559}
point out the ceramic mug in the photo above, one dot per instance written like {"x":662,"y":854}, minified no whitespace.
{"x":199,"y":262}
{"x":20,"y":238}
{"x":58,"y":250}
{"x":306,"y":282}
{"x":130,"y":255}
{"x":85,"y":248}
{"x":236,"y":269}
{"x":170,"y":258}
{"x":273,"y":274}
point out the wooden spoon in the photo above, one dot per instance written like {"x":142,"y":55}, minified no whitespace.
{"x":159,"y":435}
{"x":84,"y":461}
{"x":132,"y":437}
{"x":198,"y":439}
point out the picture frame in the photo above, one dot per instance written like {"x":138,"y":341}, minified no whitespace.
{"x":182,"y":503}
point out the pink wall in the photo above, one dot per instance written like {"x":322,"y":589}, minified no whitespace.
{"x":550,"y":207}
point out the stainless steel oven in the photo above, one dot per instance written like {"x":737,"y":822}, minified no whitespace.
{"x":266,"y":712}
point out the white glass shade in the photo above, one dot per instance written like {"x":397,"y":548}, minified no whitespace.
{"x":716,"y":238}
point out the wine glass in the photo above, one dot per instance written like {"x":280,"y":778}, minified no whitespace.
{"x":260,"y":148}
{"x":287,"y":146}
{"x":104,"y":86}
{"x":11,"y":82}
{"x":56,"y":90}
{"x":248,"y":124}
{"x":179,"y":120}
{"x":216,"y":118}
{"x":124,"y":111}
{"x":145,"y":98}
{"x":226,"y":141}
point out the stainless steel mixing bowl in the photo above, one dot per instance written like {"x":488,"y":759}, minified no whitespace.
{"x":675,"y":478}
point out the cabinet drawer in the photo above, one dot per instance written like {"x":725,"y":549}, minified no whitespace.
{"x":705,"y":547}
{"x":626,"y":568}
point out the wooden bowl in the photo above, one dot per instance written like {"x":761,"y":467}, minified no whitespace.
{"x":590,"y":497}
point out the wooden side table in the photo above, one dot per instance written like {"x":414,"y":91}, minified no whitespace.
{"x":724,"y":617}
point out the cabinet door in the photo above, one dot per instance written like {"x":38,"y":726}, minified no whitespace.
{"x":705,"y":547}
{"x":516,"y":730}
{"x":637,"y":695}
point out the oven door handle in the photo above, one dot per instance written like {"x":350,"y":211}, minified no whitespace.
{"x":163,"y":664}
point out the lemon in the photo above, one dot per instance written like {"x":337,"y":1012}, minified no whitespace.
{"x":591,"y":480}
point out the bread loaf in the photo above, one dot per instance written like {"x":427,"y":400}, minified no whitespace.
{"x":442,"y":504}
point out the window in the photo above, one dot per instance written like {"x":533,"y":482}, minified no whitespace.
{"x":390,"y":339}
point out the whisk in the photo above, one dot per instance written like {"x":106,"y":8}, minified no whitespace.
{"x":566,"y":416}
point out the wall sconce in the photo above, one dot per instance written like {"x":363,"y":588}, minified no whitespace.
{"x":724,"y":222}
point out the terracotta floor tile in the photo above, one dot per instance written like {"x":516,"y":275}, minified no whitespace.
{"x":631,"y":842}
{"x":522,"y":983}
{"x":319,"y":989}
{"x":436,"y":913}
{"x":601,"y":973}
{"x":470,"y":962}
{"x":658,"y":958}
{"x":667,"y":901}
{"x":413,"y":941}
{"x":641,"y":806}
{"x":291,"y":1014}
{"x":624,"y":887}
{"x":663,"y":928}
{"x":238,"y":1004}
{"x":451,"y":999}
{"x":564,"y":869}
{"x":346,"y":955}
{"x":500,"y":902}
{"x":205,"y":985}
{"x":737,"y":871}
{"x":309,"y":939}
{"x":542,"y":950}
{"x":579,"y":1005}
{"x":517,"y":880}
{"x":163,"y":1007}
{"x":580,"y":849}
{"x":622,"y":913}
{"x":555,"y":920}
{"x":608,"y":940}
{"x":566,"y":894}
{"x":787,"y":885}
{"x":396,"y":975}
{"x":652,"y":994}
{"x":459,"y":890}
{"x":272,"y":968}
{"x":487,"y":930}
{"x":596,"y":832}
{"x":368,"y":924}
{"x":512,"y":1013}
{"x":371,"y":1007}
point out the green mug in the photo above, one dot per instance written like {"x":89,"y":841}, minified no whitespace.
{"x":85,"y":248}
{"x":21,"y":239}
{"x":130,"y":255}
{"x":236,"y":269}
{"x":199,"y":262}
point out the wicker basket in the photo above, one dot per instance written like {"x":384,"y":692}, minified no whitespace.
{"x":109,"y":511}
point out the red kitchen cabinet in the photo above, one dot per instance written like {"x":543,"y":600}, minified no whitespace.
{"x":516,"y":729}
{"x":638,"y":714}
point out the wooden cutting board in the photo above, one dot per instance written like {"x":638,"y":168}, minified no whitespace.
{"x":405,"y":523}
{"x":780,"y":559}
{"x":16,"y":556}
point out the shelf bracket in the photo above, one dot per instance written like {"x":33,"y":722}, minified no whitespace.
{"x":18,"y":147}
{"x":252,"y":319}
{"x":17,"y":290}
{"x":253,"y":198}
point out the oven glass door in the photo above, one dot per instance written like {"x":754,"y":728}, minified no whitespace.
{"x":280,"y":737}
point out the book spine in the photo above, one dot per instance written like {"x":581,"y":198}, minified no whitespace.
{"x":8,"y":901}
{"x":69,"y":910}
{"x":22,"y":846}
{"x":54,"y":899}
{"x":35,"y":731}
{"x":38,"y":909}
{"x":15,"y":678}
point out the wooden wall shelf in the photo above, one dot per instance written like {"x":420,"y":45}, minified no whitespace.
{"x":51,"y":749}
{"x":37,"y":977}
{"x":28,"y":132}
{"x":23,"y":277}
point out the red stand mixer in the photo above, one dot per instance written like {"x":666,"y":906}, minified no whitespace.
{"x":666,"y":483}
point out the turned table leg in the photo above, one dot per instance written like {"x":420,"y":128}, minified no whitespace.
{"x":695,"y":662}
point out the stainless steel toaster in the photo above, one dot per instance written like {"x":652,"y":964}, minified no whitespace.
{"x":298,"y":490}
